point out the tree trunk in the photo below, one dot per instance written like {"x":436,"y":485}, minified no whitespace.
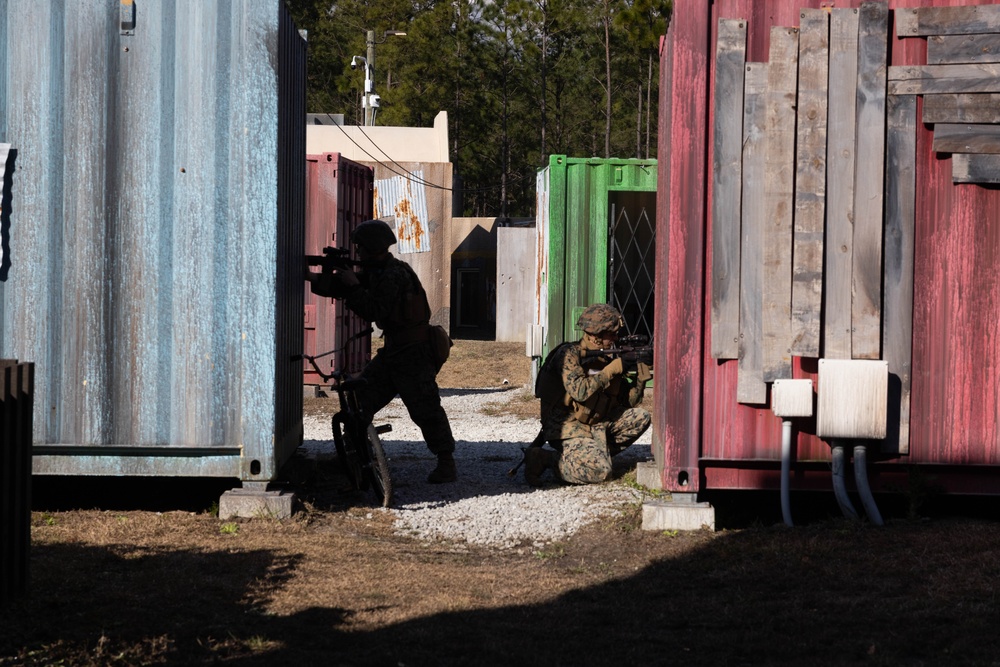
{"x":638,"y":125}
{"x":607,"y":72}
{"x":649,"y":89}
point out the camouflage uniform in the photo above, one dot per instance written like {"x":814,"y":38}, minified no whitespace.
{"x":596,"y":420}
{"x":390,"y":295}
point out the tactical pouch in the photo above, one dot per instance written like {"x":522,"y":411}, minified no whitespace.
{"x":440,"y":343}
{"x":594,"y":409}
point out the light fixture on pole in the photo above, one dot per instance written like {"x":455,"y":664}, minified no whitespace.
{"x":371,"y":99}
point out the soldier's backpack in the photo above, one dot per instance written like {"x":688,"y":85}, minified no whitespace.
{"x":549,"y":385}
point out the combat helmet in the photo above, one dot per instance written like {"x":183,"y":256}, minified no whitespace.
{"x":374,"y":235}
{"x":600,"y":317}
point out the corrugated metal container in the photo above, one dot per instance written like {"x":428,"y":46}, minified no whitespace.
{"x":338,"y":198}
{"x":156,"y":234}
{"x":703,"y":437}
{"x":577,"y":202}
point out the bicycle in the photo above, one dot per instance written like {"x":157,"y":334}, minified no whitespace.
{"x":356,"y":438}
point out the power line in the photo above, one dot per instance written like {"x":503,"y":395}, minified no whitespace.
{"x":405,"y":174}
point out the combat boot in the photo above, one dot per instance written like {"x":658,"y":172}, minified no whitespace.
{"x":445,"y":471}
{"x":536,"y":461}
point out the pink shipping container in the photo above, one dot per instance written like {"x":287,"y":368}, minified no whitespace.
{"x":339,"y":196}
{"x":940,"y":322}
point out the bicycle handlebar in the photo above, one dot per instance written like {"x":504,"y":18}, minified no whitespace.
{"x":335,"y":374}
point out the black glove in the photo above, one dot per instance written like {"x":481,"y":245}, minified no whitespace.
{"x":629,"y":361}
{"x":334,"y":285}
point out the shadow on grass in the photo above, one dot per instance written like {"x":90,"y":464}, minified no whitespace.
{"x":912,"y":593}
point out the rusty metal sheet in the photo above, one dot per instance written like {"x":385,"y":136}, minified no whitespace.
{"x":436,"y":184}
{"x":404,"y":198}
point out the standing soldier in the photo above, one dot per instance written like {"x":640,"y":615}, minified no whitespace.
{"x":588,"y":404}
{"x":387,"y":292}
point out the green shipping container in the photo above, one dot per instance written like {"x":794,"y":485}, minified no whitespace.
{"x":596,"y":221}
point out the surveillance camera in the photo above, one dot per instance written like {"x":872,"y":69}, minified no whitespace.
{"x":375,"y":100}
{"x":354,"y":63}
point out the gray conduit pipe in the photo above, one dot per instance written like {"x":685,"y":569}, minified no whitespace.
{"x":839,"y":488}
{"x":786,"y":471}
{"x":861,"y":480}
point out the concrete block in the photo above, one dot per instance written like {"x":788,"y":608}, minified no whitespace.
{"x":256,"y":504}
{"x":648,"y":475}
{"x":673,"y":515}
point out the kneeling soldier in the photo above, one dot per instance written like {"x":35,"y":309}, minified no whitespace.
{"x":588,"y":404}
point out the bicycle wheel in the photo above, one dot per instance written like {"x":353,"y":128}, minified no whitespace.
{"x":347,"y":453}
{"x":378,"y":467}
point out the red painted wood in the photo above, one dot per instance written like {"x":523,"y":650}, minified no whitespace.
{"x":955,"y":410}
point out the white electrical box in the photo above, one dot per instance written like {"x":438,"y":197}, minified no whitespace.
{"x":792,"y":398}
{"x":852,"y":398}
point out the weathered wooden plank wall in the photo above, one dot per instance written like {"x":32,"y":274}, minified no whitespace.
{"x":897,"y":334}
{"x":730,"y":429}
{"x":779,"y":190}
{"x":972,"y":19}
{"x":840,"y":174}
{"x":810,"y":182}
{"x":952,"y":368}
{"x":750,"y":385}
{"x":866,"y":296}
{"x":730,"y":55}
{"x":975,"y":168}
{"x":962,"y":108}
{"x":963,"y":48}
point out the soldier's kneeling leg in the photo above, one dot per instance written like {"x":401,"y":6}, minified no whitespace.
{"x":585,"y":460}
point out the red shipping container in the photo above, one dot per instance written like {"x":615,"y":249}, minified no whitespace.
{"x":339,"y":196}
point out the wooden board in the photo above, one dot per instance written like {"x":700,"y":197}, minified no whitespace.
{"x":967,"y":108}
{"x":810,"y":182}
{"x":840,"y":183}
{"x":779,"y":185}
{"x":930,"y":79}
{"x":730,"y":56}
{"x":866,"y":305}
{"x":900,"y":216}
{"x":924,"y":21}
{"x":953,"y":49}
{"x":750,"y":385}
{"x":966,"y":138}
{"x":982,"y":168}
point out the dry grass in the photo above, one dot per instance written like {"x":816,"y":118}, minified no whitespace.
{"x":121,"y":584}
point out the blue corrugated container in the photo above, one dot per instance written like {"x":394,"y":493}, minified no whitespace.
{"x":156,"y":232}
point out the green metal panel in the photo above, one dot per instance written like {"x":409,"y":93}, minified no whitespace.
{"x":579,"y":220}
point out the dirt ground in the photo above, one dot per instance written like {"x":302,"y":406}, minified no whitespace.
{"x":138,"y":573}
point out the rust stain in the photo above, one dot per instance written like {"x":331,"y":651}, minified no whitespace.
{"x":375,"y":211}
{"x":408,"y":225}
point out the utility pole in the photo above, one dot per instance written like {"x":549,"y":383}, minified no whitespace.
{"x":370,"y":103}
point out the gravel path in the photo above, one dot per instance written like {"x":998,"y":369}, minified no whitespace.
{"x":484,"y":506}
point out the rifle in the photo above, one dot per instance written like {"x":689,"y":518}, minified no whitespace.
{"x":632,"y":349}
{"x":332,"y":259}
